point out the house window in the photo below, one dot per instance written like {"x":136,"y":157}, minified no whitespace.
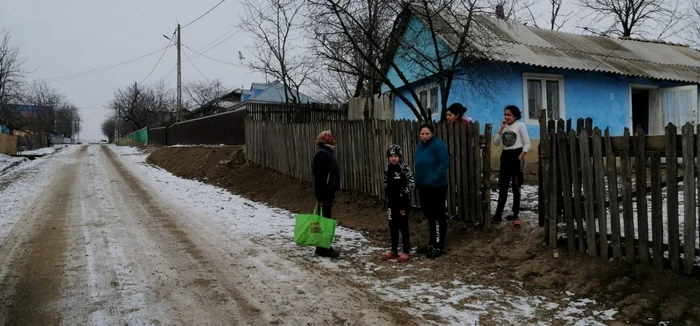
{"x":429,"y":100}
{"x":543,"y":92}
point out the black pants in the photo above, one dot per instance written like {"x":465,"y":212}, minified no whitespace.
{"x":326,"y":211}
{"x":432,"y":201}
{"x":399,"y":223}
{"x":511,"y":172}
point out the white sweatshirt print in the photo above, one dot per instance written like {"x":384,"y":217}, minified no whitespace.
{"x":513,"y":137}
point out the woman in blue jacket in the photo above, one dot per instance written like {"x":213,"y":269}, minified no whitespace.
{"x":431,"y":164}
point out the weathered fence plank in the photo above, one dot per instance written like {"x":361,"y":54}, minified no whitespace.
{"x":578,"y":210}
{"x":614,"y":204}
{"x":688,"y":198}
{"x":566,"y":187}
{"x":628,"y":214}
{"x":588,"y":191}
{"x":672,"y":198}
{"x":641,"y":195}
{"x":657,"y":218}
{"x":600,"y":211}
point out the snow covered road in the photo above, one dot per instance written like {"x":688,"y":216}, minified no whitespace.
{"x":95,"y":247}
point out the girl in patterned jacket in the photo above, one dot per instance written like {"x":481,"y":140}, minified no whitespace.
{"x":398,"y":184}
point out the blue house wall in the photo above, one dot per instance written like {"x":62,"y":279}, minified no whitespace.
{"x":486,"y":91}
{"x":604,"y":98}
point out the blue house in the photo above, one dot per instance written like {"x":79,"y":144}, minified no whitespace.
{"x":273,"y":92}
{"x":619,"y":83}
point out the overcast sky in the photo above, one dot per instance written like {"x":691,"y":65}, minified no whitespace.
{"x":65,"y":37}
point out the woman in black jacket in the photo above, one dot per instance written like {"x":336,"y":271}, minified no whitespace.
{"x":326,"y":180}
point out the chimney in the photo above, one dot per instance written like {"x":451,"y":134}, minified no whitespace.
{"x":499,"y":12}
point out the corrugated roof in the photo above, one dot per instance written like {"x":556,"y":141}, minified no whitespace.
{"x":516,"y":43}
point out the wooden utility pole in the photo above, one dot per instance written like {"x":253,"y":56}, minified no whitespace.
{"x":179,"y":78}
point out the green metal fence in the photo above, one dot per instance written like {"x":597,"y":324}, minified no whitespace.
{"x":140,"y":136}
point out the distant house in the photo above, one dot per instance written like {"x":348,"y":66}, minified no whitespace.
{"x":618,"y":82}
{"x":270,"y":93}
{"x":217,"y":105}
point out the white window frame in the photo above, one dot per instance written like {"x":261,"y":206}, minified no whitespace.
{"x":543,"y":77}
{"x":427,"y":88}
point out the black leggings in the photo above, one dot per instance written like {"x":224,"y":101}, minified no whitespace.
{"x":432,"y":201}
{"x":511,"y":172}
{"x":399,"y":223}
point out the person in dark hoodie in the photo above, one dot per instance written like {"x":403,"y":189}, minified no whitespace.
{"x":326,"y":181}
{"x":398,"y":184}
{"x":432,"y":162}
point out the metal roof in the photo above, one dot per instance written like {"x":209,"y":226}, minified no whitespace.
{"x":521,"y":44}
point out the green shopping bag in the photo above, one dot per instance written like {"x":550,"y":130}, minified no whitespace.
{"x":314,"y":230}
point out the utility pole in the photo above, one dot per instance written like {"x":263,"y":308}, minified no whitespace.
{"x":179,"y":78}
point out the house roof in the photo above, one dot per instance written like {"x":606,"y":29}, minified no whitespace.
{"x":545,"y":48}
{"x":274,"y":93}
{"x":522,"y":44}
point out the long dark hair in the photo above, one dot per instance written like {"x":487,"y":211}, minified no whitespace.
{"x":515,"y":111}
{"x":458,"y":109}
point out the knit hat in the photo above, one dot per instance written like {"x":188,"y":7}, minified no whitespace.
{"x":394,"y":149}
{"x":325,"y":138}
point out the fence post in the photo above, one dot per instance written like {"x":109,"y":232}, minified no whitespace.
{"x":543,"y":176}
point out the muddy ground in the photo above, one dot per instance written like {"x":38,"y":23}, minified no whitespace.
{"x":500,"y":256}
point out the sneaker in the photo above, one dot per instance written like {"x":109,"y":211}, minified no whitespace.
{"x":434,"y":253}
{"x":391,"y":255}
{"x":512,"y":217}
{"x":403,"y":258}
{"x":424,"y":250}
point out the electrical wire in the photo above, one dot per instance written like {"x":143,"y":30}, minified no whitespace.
{"x":101,"y":69}
{"x":223,"y":35}
{"x":200,"y":17}
{"x":195,"y":67}
{"x":208,"y":57}
{"x":222,"y":41}
{"x":159,"y":59}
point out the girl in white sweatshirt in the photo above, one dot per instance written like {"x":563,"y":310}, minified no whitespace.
{"x":516,"y":143}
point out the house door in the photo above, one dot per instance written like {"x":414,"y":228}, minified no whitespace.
{"x":679,"y":105}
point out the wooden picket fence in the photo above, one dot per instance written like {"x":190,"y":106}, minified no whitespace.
{"x":296,"y":112}
{"x":361,"y":148}
{"x":594,"y":189}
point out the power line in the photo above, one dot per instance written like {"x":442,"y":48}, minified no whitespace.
{"x":195,"y":67}
{"x":198,"y":18}
{"x":222,"y":41}
{"x":159,"y":59}
{"x":223,"y":35}
{"x":208,"y":57}
{"x":101,"y":69}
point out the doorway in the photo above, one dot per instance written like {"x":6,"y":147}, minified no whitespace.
{"x":640,"y":109}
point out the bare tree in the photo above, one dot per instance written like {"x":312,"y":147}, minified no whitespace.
{"x":448,"y":44}
{"x":277,"y":28}
{"x":205,"y":94}
{"x":692,"y":33}
{"x":333,"y":86}
{"x":11,"y":71}
{"x":556,"y":19}
{"x":626,"y":18}
{"x":140,"y":106}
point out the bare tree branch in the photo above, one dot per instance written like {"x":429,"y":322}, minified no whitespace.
{"x":644,"y":18}
{"x":277,"y":27}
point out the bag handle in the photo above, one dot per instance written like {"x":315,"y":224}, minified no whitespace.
{"x":318,"y":208}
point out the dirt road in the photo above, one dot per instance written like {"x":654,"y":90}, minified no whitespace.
{"x":98,"y":247}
